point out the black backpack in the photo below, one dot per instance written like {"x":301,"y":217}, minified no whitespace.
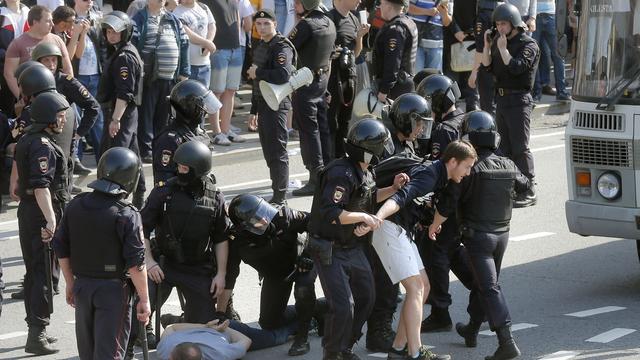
{"x":388,"y":168}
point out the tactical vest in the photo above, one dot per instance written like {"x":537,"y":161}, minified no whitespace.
{"x":409,"y":52}
{"x":106,"y":87}
{"x":96,"y":247}
{"x":185,"y":133}
{"x":59,"y":187}
{"x":317,"y":53}
{"x":490,"y":205}
{"x":263,"y":55}
{"x":503,"y":77}
{"x":184,"y":235}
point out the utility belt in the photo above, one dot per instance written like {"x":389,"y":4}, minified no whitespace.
{"x":505,"y":92}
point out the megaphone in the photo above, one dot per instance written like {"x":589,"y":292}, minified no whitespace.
{"x":274,"y":94}
{"x":366,"y":103}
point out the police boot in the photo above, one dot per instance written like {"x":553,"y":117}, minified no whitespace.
{"x":380,"y":336}
{"x":528,"y":198}
{"x":439,"y":320}
{"x":349,"y":354}
{"x":138,"y":199}
{"x":330,"y":355}
{"x":318,"y":315}
{"x":507,"y":348}
{"x":37,"y":342}
{"x":300,"y":344}
{"x":152,"y":342}
{"x":79,"y":169}
{"x":278,"y":198}
{"x":129,"y":354}
{"x":310,"y":187}
{"x":231,"y":312}
{"x":469,"y":332}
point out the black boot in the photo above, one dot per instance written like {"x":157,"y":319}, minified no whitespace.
{"x":37,"y":342}
{"x":507,"y":348}
{"x":231,"y":312}
{"x":318,"y":315}
{"x":439,"y":320}
{"x":279,"y":198}
{"x":152,"y":342}
{"x":330,"y":355}
{"x":469,"y":332}
{"x":310,"y":187}
{"x":169,"y":319}
{"x":79,"y":169}
{"x":380,"y":336}
{"x":349,"y":354}
{"x":300,"y":344}
{"x":528,"y":198}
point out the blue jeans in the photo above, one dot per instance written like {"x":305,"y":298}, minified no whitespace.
{"x":281,"y":14}
{"x":262,"y":339}
{"x":547,"y":38}
{"x":428,"y":58}
{"x":94,"y":135}
{"x":201,"y":73}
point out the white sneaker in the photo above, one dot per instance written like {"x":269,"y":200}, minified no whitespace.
{"x":235,"y":129}
{"x":231,"y":135}
{"x":221,"y":139}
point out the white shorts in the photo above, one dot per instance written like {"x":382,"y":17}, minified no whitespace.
{"x":398,"y":254}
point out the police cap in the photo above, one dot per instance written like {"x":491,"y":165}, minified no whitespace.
{"x":118,"y":171}
{"x":265,"y":14}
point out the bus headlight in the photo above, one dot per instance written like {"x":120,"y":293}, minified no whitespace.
{"x":609,"y":186}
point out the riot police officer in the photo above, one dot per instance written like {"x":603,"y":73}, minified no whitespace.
{"x":191,"y":102}
{"x":346,"y":197}
{"x":408,"y":119}
{"x":485,"y":213}
{"x":394,"y":54}
{"x":101,"y":252}
{"x":267,"y":239}
{"x":314,"y":38}
{"x":191,"y":233}
{"x":43,"y":192}
{"x":273,"y":61}
{"x":120,"y":90}
{"x":513,"y":56}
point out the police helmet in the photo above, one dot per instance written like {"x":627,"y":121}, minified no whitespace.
{"x":422,"y":74}
{"x":192,"y":101}
{"x":24,"y":66}
{"x":46,"y":106}
{"x":196,"y":156}
{"x":440,"y":91}
{"x":508,"y":12}
{"x":118,"y":172}
{"x":47,"y":49}
{"x":36,"y":79}
{"x":119,"y":22}
{"x":408,"y":111}
{"x":366,"y":104}
{"x":309,"y":5}
{"x":367,"y":141}
{"x":251,"y":213}
{"x":480,"y":128}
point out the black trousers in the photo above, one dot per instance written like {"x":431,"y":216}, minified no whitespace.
{"x":386,"y":299}
{"x":485,"y":252}
{"x":486,"y":90}
{"x":103,"y":317}
{"x":154,"y":112}
{"x":272,"y":129}
{"x":339,"y":115}
{"x":310,"y":119}
{"x":513,"y":118}
{"x":275,"y":295}
{"x":348,"y":287}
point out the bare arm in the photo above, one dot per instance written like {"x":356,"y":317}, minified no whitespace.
{"x":222,"y":254}
{"x":43,"y":198}
{"x":10,"y":66}
{"x":247,"y":23}
{"x":389,"y":208}
{"x":118,"y":111}
{"x":139,"y":279}
{"x":223,"y":300}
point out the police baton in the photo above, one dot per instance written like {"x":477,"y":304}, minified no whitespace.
{"x":47,"y":275}
{"x":158,"y":301}
{"x":145,"y":343}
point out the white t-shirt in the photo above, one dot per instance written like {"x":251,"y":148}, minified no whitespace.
{"x":17,"y":20}
{"x":245,"y":9}
{"x":197,"y":19}
{"x":51,"y":4}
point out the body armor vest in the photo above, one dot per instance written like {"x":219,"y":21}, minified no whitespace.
{"x":184,"y":235}
{"x":410,"y":48}
{"x":503,"y":77}
{"x":106,"y":87}
{"x":490,"y":205}
{"x":95,"y":237}
{"x":317,"y":53}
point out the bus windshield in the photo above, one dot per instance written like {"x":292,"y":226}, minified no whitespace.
{"x":608,"y":50}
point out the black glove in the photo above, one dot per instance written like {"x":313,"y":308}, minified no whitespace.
{"x":304,"y":263}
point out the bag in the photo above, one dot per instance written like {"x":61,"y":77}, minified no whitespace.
{"x":462,"y":59}
{"x":386,"y":170}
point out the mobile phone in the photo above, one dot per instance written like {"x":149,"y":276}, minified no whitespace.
{"x":445,"y":2}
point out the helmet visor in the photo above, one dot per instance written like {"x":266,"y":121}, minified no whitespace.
{"x":389,"y":148}
{"x":260,"y":221}
{"x":427,"y":124}
{"x":211,"y":103}
{"x":114,"y":22}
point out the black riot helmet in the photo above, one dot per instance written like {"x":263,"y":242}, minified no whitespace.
{"x":408,"y":112}
{"x":119,"y":22}
{"x":24,"y":66}
{"x":440,"y":91}
{"x":367,"y":141}
{"x":510,"y":13}
{"x":36,"y":79}
{"x":46,"y":106}
{"x":480,"y":128}
{"x":47,"y":49}
{"x":118,"y":172}
{"x":251,"y":213}
{"x":192,"y":101}
{"x":196,"y":156}
{"x":423,"y":74}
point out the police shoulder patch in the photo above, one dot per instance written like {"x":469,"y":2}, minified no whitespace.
{"x":281,"y":58}
{"x":171,"y":133}
{"x":166,"y":157}
{"x":43,"y":140}
{"x":293,"y":33}
{"x":393,"y":43}
{"x":84,"y":92}
{"x":69,"y":77}
{"x":435,"y":149}
{"x":43,"y":162}
{"x":124,"y":72}
{"x":337,"y":194}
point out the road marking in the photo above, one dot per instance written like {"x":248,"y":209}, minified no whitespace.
{"x":610,"y":335}
{"x":600,"y":310}
{"x":12,"y":335}
{"x":531,"y":236}
{"x":72,"y":322}
{"x":546,"y":135}
{"x":172,"y":303}
{"x":548,"y":148}
{"x":9,"y":238}
{"x":514,"y":327}
{"x":256,"y":182}
{"x":9,"y":223}
{"x":561,"y":355}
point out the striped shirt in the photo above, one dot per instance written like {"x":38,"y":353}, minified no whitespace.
{"x":167,"y":53}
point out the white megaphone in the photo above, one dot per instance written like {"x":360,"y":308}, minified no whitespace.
{"x":366,"y":104}
{"x":274,"y":94}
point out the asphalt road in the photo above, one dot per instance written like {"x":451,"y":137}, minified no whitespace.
{"x":570,"y":297}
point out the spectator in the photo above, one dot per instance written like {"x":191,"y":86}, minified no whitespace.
{"x":51,"y":4}
{"x":546,"y":35}
{"x":164,"y":47}
{"x":19,"y":51}
{"x":66,"y":26}
{"x":429,"y":21}
{"x":13,"y":22}
{"x":528,"y":11}
{"x":200,"y":26}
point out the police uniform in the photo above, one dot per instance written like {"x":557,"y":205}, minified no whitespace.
{"x":342,"y":81}
{"x":514,"y":83}
{"x":346,"y":279}
{"x":102,"y":292}
{"x":274,"y":256}
{"x":188,"y":223}
{"x":41,"y":163}
{"x":484,"y":79}
{"x":165,"y":145}
{"x":313,"y":38}
{"x":275,"y":61}
{"x":444,"y":132}
{"x":394,"y":56}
